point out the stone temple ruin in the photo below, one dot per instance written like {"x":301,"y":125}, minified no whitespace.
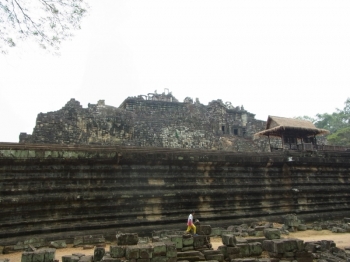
{"x":144,"y":166}
{"x":155,"y":120}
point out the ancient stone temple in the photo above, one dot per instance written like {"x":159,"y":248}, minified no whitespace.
{"x":145,"y":165}
{"x":153,"y":120}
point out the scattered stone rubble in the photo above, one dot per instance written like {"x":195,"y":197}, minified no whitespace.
{"x":259,"y":242}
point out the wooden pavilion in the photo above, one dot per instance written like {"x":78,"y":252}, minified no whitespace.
{"x":294,"y":133}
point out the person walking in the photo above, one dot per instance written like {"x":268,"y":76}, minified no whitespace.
{"x":190,"y":224}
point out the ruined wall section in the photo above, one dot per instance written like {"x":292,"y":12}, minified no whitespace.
{"x":193,"y":125}
{"x":73,"y":124}
{"x":150,"y":123}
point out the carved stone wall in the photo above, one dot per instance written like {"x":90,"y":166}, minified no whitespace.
{"x":159,"y":121}
{"x":64,"y":191}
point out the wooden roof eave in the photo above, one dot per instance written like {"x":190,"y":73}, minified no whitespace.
{"x":297,"y":131}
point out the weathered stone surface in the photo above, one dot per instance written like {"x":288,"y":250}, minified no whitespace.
{"x":99,"y":252}
{"x":111,"y":259}
{"x":191,"y":256}
{"x":93,"y":239}
{"x":78,"y":240}
{"x":199,"y":241}
{"x":228,"y":240}
{"x":116,"y":251}
{"x":177,"y":240}
{"x":255,"y":249}
{"x":171,"y":250}
{"x":213,"y":255}
{"x":159,"y":249}
{"x":86,"y":259}
{"x":152,"y":182}
{"x":283,"y":245}
{"x":49,"y":254}
{"x":127,"y":239}
{"x":146,"y":250}
{"x":272,"y":233}
{"x":187,"y":241}
{"x":39,"y":255}
{"x":132,"y":252}
{"x":204,"y":230}
{"x":27,"y":257}
{"x":291,"y":220}
{"x":216,"y":231}
{"x":160,"y":259}
{"x":58,"y":244}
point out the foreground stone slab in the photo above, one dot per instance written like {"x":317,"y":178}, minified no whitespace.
{"x":116,"y":251}
{"x":127,"y":239}
{"x":191,"y":256}
{"x":228,"y":240}
{"x":272,"y":233}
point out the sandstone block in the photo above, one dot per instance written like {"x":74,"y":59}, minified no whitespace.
{"x":199,"y":241}
{"x":228,"y":240}
{"x":274,"y":246}
{"x":205,"y":230}
{"x":302,"y":227}
{"x":144,"y":260}
{"x":247,"y":259}
{"x":244,"y":249}
{"x":68,"y":258}
{"x":171,"y":250}
{"x":58,"y":244}
{"x":78,"y":240}
{"x":116,"y":251}
{"x":146,"y":251}
{"x":127,"y":239}
{"x":189,"y":248}
{"x":159,"y":259}
{"x":27,"y":257}
{"x":99,"y":252}
{"x":93,"y":239}
{"x":159,"y":249}
{"x":39,"y":256}
{"x":217,"y":257}
{"x":111,"y":259}
{"x":177,"y":240}
{"x":255,"y":249}
{"x":272,"y":233}
{"x":190,"y":256}
{"x":49,"y":254}
{"x":76,"y":259}
{"x":132,"y":252}
{"x":187,"y":242}
{"x":216,"y":231}
{"x":86,"y":259}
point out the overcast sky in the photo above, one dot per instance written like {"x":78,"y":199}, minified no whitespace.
{"x":281,"y":58}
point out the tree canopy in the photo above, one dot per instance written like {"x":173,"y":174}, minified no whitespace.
{"x":338,"y":123}
{"x":47,"y":22}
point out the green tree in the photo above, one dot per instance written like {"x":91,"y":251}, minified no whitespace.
{"x":47,"y":22}
{"x":338,"y":123}
{"x":335,"y":121}
{"x":340,"y":137}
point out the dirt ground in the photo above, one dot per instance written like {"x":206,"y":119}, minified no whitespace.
{"x":342,"y":240}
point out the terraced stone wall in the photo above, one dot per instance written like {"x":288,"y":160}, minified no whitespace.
{"x":63,"y":191}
